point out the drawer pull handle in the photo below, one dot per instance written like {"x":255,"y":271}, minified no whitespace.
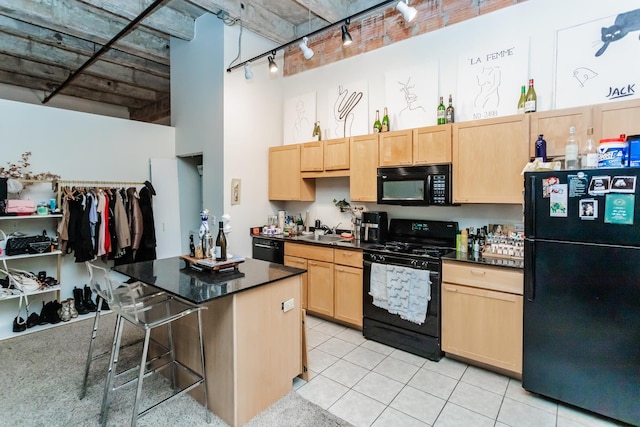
{"x":478,"y":272}
{"x":450,"y":289}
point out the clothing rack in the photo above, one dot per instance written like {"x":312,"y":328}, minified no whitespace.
{"x":80,"y":183}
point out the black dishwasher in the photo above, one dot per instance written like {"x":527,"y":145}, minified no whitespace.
{"x":271,"y":250}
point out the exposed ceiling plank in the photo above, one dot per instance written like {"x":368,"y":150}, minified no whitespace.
{"x":24,"y":48}
{"x":74,"y":44}
{"x":254,"y":17}
{"x":38,"y":84}
{"x":329,"y":10}
{"x":154,"y":112}
{"x":164,"y":20}
{"x":56,"y":75}
{"x":81,"y":21}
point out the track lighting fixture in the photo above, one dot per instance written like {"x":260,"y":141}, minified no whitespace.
{"x":248,"y":74}
{"x":273,"y":67}
{"x":408,"y":12}
{"x":346,"y":37}
{"x":306,"y":50}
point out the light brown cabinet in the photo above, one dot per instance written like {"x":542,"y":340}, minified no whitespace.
{"x":488,"y":157}
{"x":348,"y":286}
{"x":432,"y":144}
{"x":554,"y":125}
{"x":336,"y":154}
{"x":285,"y":181}
{"x":396,"y":148}
{"x":334,"y":280}
{"x":297,"y":262}
{"x":612,"y":119}
{"x":364,"y":165}
{"x":311,"y":157}
{"x":482,"y":314}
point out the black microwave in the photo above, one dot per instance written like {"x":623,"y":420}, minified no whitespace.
{"x":428,"y":185}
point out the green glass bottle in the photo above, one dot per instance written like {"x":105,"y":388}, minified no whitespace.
{"x":522,"y":100}
{"x":385,"y":121}
{"x":377,"y":126}
{"x":441,"y":113}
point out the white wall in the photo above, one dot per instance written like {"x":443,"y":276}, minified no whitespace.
{"x":80,"y":146}
{"x":262,"y":98}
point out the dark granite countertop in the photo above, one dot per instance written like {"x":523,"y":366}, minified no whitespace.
{"x":199,"y":287}
{"x":477,"y":258}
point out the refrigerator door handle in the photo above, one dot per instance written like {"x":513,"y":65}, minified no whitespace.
{"x":530,"y":270}
{"x":530,"y":223}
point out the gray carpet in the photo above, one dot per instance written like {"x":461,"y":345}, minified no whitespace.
{"x":41,"y":374}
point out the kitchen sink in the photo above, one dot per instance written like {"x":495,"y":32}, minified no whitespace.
{"x":324,"y":238}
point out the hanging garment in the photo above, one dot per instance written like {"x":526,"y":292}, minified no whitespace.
{"x":123,"y":236}
{"x":135,"y":217}
{"x":147,"y":249}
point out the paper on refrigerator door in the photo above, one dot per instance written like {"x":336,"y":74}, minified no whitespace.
{"x":558,"y":200}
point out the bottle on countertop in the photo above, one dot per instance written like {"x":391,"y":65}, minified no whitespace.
{"x":464,"y":241}
{"x":221,"y":244}
{"x":385,"y":121}
{"x":522,"y":100}
{"x":531,"y":100}
{"x":589,"y":152}
{"x":441,"y":113}
{"x":377,"y":126}
{"x":192,"y":246}
{"x":449,"y":113}
{"x":541,"y":148}
{"x":571,"y":150}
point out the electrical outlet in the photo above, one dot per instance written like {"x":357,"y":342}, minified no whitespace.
{"x":287,"y":305}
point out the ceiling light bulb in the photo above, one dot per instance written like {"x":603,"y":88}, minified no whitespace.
{"x":273,"y":67}
{"x":306,"y":50}
{"x":408,"y":12}
{"x":346,"y":37}
{"x":248,"y":74}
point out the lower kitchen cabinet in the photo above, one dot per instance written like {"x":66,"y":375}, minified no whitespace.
{"x":333,"y":280}
{"x":297,"y":262}
{"x":482,"y":314}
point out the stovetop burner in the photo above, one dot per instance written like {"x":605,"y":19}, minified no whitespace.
{"x":411,"y":249}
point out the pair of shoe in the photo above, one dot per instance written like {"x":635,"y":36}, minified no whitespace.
{"x":49,"y":313}
{"x":83,"y":302}
{"x":67,"y":310}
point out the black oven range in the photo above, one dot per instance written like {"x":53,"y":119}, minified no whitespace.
{"x":398,"y":275}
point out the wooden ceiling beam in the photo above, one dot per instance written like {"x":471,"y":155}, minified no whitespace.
{"x":80,"y":46}
{"x":82,"y":21}
{"x":27,"y":49}
{"x":254,"y":17}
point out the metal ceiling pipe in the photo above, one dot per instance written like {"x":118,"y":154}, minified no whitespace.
{"x":130,"y":26}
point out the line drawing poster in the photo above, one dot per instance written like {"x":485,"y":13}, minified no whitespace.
{"x":348,"y":110}
{"x":489,"y":80}
{"x":593,"y":61}
{"x":411,"y":95}
{"x":299,"y":118}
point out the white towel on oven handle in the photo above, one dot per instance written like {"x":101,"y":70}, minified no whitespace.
{"x":419,"y":297}
{"x":398,"y":289}
{"x":378,"y":285}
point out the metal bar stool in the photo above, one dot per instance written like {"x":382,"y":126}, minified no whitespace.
{"x":148,"y":313}
{"x":97,"y":282}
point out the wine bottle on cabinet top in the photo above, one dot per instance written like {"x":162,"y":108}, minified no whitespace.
{"x":531,"y":101}
{"x":522,"y":100}
{"x":450,"y":112}
{"x":377,"y":126}
{"x":441,"y":113}
{"x":385,"y":121}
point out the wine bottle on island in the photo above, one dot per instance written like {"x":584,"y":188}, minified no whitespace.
{"x":221,"y":244}
{"x":377,"y":126}
{"x":450,"y":112}
{"x":531,"y":99}
{"x":522,"y":100}
{"x":192,"y":246}
{"x":385,"y":121}
{"x":441,"y":113}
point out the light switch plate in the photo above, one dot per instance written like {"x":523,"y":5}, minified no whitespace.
{"x":287,"y":305}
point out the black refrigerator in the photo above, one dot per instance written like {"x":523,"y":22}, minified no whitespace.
{"x":581,"y":342}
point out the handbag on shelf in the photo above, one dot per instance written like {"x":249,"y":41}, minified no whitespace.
{"x":20,"y":207}
{"x":19,"y":323}
{"x":22,"y":280}
{"x":21,"y":245}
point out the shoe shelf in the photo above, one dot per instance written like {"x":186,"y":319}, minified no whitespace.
{"x":6,"y":294}
{"x":8,"y":333}
{"x":7,"y":257}
{"x":25,"y":217}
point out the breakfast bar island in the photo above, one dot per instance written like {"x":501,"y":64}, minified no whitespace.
{"x":252,"y":330}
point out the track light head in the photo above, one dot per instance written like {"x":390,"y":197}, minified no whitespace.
{"x":346,"y":37}
{"x":306,"y":50}
{"x":408,"y":12}
{"x":248,"y":74}
{"x":273,"y":67}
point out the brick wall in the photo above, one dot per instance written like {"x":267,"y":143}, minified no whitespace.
{"x":385,"y":26}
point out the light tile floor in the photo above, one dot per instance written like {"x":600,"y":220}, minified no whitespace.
{"x":370,"y":384}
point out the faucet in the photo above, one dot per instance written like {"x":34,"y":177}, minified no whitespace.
{"x":334,"y":229}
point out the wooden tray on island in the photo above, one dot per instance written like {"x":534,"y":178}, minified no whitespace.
{"x":202,"y":264}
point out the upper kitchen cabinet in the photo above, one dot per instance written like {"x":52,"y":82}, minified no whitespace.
{"x":612,"y":119}
{"x":364,"y":168}
{"x":396,"y":148}
{"x":488,"y":157}
{"x":554,"y":125}
{"x":327,"y":158}
{"x":311,"y":157}
{"x":285,"y":180}
{"x":432,"y":144}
